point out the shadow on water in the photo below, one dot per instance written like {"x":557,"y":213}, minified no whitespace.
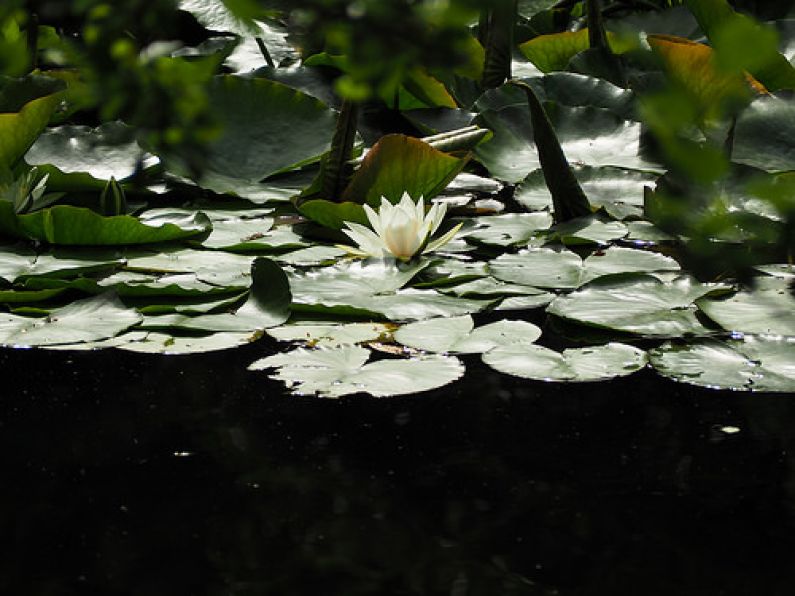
{"x":134,"y":474}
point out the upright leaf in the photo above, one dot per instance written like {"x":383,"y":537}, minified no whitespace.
{"x":568,"y":199}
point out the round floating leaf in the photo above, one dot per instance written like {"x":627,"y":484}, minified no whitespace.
{"x":161,"y":343}
{"x":588,"y":230}
{"x":525,"y":302}
{"x":539,"y":267}
{"x":636,"y":304}
{"x":573,"y":365}
{"x":18,"y":263}
{"x":414,"y":305}
{"x":617,"y":259}
{"x":765,"y":134}
{"x":750,"y":364}
{"x":588,"y":136}
{"x":331,"y":335}
{"x":268,"y":305}
{"x":267,"y":128}
{"x":457,"y":334}
{"x":80,"y":157}
{"x":616,"y":190}
{"x":507,"y":230}
{"x":310,"y":256}
{"x":768,"y":310}
{"x":334,"y":372}
{"x":244,"y":234}
{"x":353,"y":279}
{"x":90,"y":319}
{"x":71,"y":226}
{"x":489,"y":287}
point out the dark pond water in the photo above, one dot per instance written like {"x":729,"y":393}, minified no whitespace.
{"x":128,"y":474}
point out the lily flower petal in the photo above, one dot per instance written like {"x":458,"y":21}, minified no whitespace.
{"x":401,"y":230}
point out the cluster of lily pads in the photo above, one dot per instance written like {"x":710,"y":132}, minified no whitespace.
{"x":187,"y":263}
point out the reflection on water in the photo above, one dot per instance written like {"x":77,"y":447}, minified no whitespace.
{"x":134,"y":474}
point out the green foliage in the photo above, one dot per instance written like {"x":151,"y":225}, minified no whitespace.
{"x":188,"y":173}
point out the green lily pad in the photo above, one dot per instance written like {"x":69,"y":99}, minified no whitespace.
{"x":539,"y":267}
{"x":129,"y":284}
{"x":18,"y":263}
{"x":311,"y":256}
{"x":413,"y":305}
{"x":216,"y":268}
{"x":70,"y":226}
{"x":639,"y":304}
{"x":489,"y":287}
{"x":575,"y":365}
{"x":769,"y":310}
{"x":618,"y":191}
{"x":507,"y":230}
{"x":162,"y":343}
{"x":529,"y":302}
{"x":334,"y":372}
{"x":459,"y":335}
{"x":351,"y":279}
{"x":268,"y":305}
{"x":563,"y":269}
{"x":267,"y":128}
{"x":83,"y":158}
{"x":765,"y":134}
{"x":588,"y":230}
{"x":331,"y":335}
{"x":618,"y":259}
{"x":89,"y":319}
{"x":588,"y":136}
{"x":239,"y":235}
{"x":749,"y":364}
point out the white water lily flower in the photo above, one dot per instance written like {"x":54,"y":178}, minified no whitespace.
{"x":400,"y":231}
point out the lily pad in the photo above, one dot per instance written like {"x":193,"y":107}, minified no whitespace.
{"x":618,"y":191}
{"x":765,"y":134}
{"x":588,"y":136}
{"x":83,"y":158}
{"x":89,"y":319}
{"x":588,"y":230}
{"x":769,"y":310}
{"x":507,"y":230}
{"x":539,"y":267}
{"x":267,"y":128}
{"x":748,"y":364}
{"x":351,"y":279}
{"x":334,"y":372}
{"x":639,"y":304}
{"x":18,"y":263}
{"x":581,"y":365}
{"x":459,"y":335}
{"x":161,"y":343}
{"x":217,"y":268}
{"x":268,"y":305}
{"x":70,"y":226}
{"x":332,"y":335}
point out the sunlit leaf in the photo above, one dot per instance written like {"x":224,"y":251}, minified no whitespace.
{"x":748,"y":364}
{"x":398,"y":164}
{"x":84,"y":320}
{"x":334,"y":372}
{"x":580,"y":365}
